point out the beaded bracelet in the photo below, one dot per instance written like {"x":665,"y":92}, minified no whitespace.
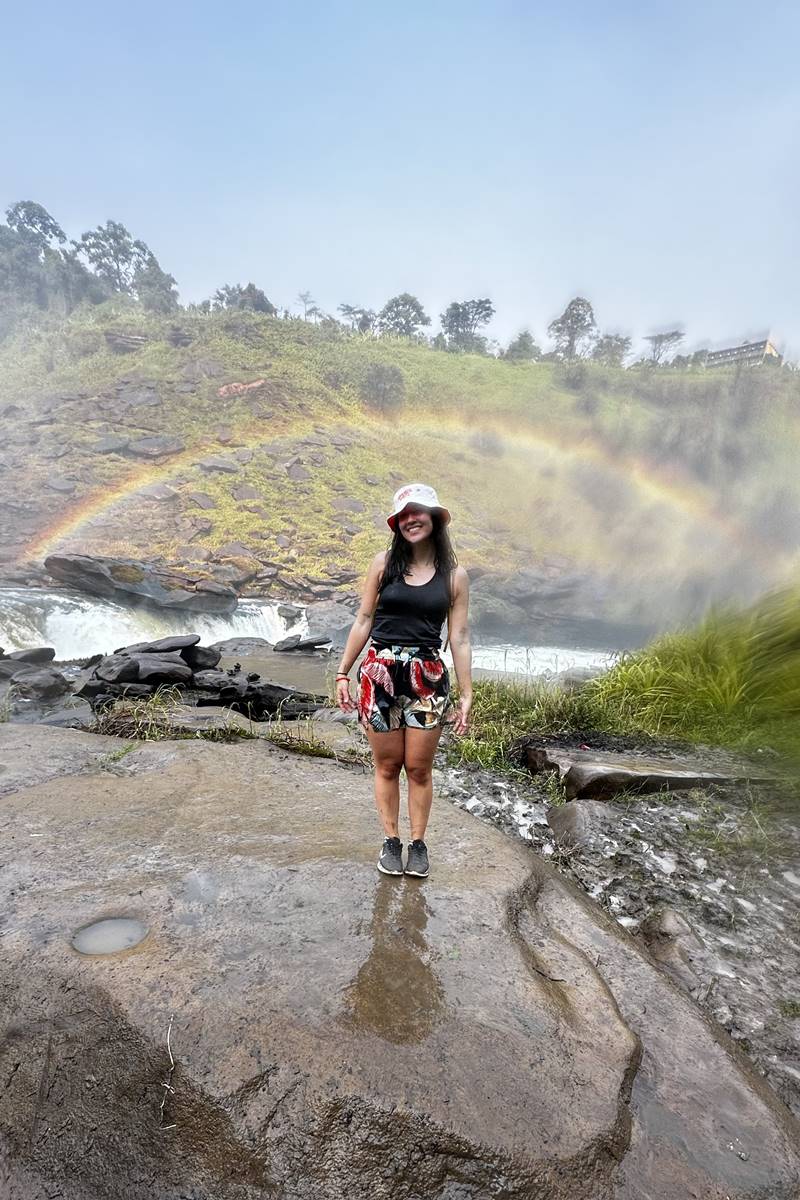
{"x":342,"y":676}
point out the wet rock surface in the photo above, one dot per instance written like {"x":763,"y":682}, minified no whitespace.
{"x":489,"y":1032}
{"x":707,"y":878}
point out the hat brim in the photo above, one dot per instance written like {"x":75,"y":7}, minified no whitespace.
{"x":391,"y":521}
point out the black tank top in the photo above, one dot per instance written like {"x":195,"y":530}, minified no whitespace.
{"x":411,"y":615}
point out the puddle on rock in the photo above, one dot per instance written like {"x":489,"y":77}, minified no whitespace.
{"x":110,"y":936}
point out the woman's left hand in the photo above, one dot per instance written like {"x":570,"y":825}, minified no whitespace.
{"x":462,"y":714}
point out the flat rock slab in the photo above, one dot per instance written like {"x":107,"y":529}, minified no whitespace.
{"x":600,"y":774}
{"x":32,"y":754}
{"x":336,"y":1033}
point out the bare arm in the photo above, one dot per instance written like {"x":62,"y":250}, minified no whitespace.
{"x":461,"y":647}
{"x":362,"y":626}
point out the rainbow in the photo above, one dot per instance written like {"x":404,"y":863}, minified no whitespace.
{"x":649,"y":479}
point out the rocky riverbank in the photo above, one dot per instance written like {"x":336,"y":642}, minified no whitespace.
{"x":706,"y":879}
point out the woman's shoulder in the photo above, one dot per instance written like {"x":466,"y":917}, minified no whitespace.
{"x":459,"y":576}
{"x":378,"y":564}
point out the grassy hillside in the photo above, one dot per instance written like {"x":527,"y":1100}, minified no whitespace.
{"x":678,"y":484}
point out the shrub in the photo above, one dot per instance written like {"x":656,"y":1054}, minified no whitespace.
{"x":383,"y":387}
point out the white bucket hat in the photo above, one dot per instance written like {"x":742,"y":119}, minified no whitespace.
{"x":416,"y":493}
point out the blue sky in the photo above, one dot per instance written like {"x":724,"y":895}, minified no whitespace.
{"x":645,"y":156}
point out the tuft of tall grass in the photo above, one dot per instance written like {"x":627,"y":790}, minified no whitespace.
{"x":153,"y":718}
{"x":502,"y":712}
{"x":733,"y":681}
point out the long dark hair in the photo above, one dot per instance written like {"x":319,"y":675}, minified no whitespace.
{"x":398,"y":559}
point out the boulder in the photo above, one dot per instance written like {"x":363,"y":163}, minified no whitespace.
{"x":165,"y":645}
{"x":159,"y":491}
{"x":161,"y":668}
{"x":200,"y":658}
{"x":201,"y":499}
{"x":298,"y":472}
{"x":585,"y":823}
{"x":11,"y":668}
{"x":39,"y":654}
{"x":297,"y":642}
{"x":236,"y":571}
{"x":110,"y":445}
{"x":138,"y":393}
{"x":140,"y":582}
{"x":216,"y":462}
{"x":333,"y":1033}
{"x":232,"y":550}
{"x":209,"y":680}
{"x":156,"y":447}
{"x":115,"y":668}
{"x":241,"y":645}
{"x":43,"y":684}
{"x":198,"y":369}
{"x":59,"y":484}
{"x":599,"y":775}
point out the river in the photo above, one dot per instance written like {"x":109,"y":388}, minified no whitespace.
{"x":77,"y":626}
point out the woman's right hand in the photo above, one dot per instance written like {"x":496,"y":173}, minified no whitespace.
{"x":343,"y":698}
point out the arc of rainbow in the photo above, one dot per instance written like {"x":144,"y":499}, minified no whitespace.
{"x":641,"y":474}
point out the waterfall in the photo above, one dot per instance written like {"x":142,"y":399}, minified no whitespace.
{"x":77,"y":625}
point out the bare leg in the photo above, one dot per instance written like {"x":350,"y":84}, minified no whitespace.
{"x":387,"y":753}
{"x":418,"y":761}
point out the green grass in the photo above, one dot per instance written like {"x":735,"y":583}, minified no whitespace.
{"x":733,"y":681}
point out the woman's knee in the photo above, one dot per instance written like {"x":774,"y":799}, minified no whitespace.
{"x":388,"y":768}
{"x":419,"y":773}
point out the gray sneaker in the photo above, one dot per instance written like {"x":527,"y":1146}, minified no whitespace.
{"x":417,"y":863}
{"x":391,"y":859}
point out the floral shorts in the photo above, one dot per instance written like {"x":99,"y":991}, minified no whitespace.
{"x":403,"y":686}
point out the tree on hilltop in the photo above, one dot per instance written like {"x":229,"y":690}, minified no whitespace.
{"x":114,"y":255}
{"x":37,"y":268}
{"x":34,"y":223}
{"x":308,"y":302}
{"x":362,"y":320}
{"x":128,"y":265}
{"x":250,"y":298}
{"x":573,"y":329}
{"x":611,"y":350}
{"x":154,"y":288}
{"x":522,"y":348}
{"x":662,"y":343}
{"x":461,"y":321}
{"x":403,"y":315}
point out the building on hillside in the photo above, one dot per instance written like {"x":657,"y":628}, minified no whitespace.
{"x":749,"y":354}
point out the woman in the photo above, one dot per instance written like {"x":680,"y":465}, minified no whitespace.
{"x":403,"y":686}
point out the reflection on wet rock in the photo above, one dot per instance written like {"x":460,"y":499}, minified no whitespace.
{"x":396,"y":992}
